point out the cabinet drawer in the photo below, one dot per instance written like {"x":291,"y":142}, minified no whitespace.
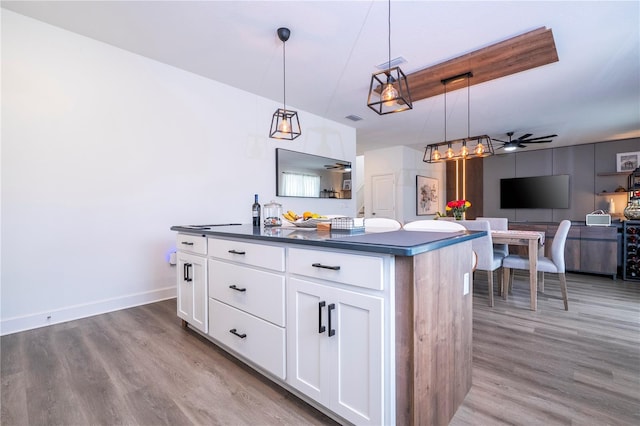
{"x":259,"y":293}
{"x":259,"y":341}
{"x":352,"y":269}
{"x":261,"y":255}
{"x":192,"y":243}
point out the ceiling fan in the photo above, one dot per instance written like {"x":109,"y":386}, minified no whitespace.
{"x":346,"y":167}
{"x":512,"y":144}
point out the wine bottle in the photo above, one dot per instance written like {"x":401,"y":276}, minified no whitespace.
{"x":255,"y":211}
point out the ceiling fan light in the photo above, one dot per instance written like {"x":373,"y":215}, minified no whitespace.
{"x":509,"y":147}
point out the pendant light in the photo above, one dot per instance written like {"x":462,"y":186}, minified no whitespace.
{"x":284,"y":123}
{"x":389,"y":89}
{"x":483,"y":147}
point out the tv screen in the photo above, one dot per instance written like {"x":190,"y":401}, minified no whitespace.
{"x":538,"y":192}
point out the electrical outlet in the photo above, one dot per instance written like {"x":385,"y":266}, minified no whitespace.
{"x":465,"y":287}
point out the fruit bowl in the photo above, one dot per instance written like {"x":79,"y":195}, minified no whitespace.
{"x":309,"y":223}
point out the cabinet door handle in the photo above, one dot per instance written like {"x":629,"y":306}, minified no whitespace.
{"x":235,"y":331}
{"x":185,"y":271}
{"x":321,"y":328}
{"x":320,"y":265}
{"x":236,"y":288}
{"x":331,"y":307}
{"x":236,"y":252}
{"x":187,"y":243}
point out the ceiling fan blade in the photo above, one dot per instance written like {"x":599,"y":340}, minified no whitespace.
{"x":526,"y":135}
{"x":521,"y":146}
{"x":534,"y":141}
{"x":498,"y":140}
{"x":541,"y":137}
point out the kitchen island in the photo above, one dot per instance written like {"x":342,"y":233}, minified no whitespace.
{"x":370,"y":328}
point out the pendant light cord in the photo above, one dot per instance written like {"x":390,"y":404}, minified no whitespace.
{"x":284,"y":77}
{"x":468,"y":109}
{"x":389,"y":21}
{"x":445,"y":111}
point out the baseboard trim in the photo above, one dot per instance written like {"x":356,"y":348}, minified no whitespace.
{"x":70,"y":313}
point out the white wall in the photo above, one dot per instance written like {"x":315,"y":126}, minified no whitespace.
{"x":405,"y":164}
{"x":103,"y":150}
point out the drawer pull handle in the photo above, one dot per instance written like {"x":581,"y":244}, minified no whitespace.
{"x":234,"y":287}
{"x":236,"y":252}
{"x":320,"y":265}
{"x":185,"y":272}
{"x":321,"y":328}
{"x":187,"y":243}
{"x":235,"y":331}
{"x":331,"y":307}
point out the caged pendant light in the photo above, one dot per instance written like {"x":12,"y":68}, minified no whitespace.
{"x":284,"y":123}
{"x":389,"y":89}
{"x":483,"y":146}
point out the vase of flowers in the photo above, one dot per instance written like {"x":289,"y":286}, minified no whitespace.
{"x":458,"y":207}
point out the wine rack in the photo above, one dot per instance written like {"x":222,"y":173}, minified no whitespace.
{"x":631,"y":247}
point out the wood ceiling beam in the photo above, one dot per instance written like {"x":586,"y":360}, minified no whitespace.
{"x":529,"y":50}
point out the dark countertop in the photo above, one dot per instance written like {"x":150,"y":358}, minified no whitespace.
{"x":399,"y":243}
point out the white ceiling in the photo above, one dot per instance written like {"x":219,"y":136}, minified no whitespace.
{"x":592,"y":94}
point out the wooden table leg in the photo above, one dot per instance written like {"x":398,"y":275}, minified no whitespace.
{"x":533,"y":273}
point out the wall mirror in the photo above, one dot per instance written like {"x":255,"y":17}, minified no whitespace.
{"x":310,"y":176}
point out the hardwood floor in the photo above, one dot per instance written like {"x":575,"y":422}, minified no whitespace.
{"x":139,"y":366}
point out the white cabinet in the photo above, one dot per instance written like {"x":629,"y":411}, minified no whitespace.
{"x":192,"y":281}
{"x":247,"y":301}
{"x":335,"y":349}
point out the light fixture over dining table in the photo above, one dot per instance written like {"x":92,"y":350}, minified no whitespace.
{"x":465,"y":148}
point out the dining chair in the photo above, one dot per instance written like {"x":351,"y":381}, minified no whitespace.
{"x":381,"y":224}
{"x":488,"y":259}
{"x":498,"y":224}
{"x":433,"y":226}
{"x":440,"y":226}
{"x":554,"y":264}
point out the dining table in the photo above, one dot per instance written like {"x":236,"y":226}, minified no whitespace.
{"x":534,"y":241}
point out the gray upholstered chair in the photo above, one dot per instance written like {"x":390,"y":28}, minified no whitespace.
{"x":498,"y":224}
{"x":440,"y":226}
{"x":381,"y":224}
{"x":554,"y":264}
{"x":488,"y":259}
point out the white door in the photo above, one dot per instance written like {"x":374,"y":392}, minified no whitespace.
{"x":383,"y":196}
{"x":306,"y":330}
{"x":192,"y":290}
{"x":357,"y":348}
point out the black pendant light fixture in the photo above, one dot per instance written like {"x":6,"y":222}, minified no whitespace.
{"x":389,"y":89}
{"x":483,"y":146}
{"x":284,"y":123}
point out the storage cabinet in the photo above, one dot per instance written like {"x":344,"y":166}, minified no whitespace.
{"x":335,"y":349}
{"x":247,"y":301}
{"x":192,"y":280}
{"x":631,"y":250}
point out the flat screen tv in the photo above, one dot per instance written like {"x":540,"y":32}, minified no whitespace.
{"x":537,"y":192}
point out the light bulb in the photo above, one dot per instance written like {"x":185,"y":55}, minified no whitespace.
{"x":436,"y":155}
{"x":464,"y":151}
{"x":479,"y":148}
{"x":389,"y":94}
{"x":509,"y":148}
{"x":450,"y":153}
{"x":284,"y":126}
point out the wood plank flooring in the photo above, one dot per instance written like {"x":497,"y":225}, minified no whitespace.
{"x":140,"y":367}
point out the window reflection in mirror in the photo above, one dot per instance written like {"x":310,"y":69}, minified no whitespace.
{"x":306,"y":175}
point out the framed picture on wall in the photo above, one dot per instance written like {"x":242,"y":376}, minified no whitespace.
{"x":426,"y":195}
{"x":346,"y":185}
{"x":627,"y":161}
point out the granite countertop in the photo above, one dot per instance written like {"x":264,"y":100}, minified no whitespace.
{"x":399,"y":243}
